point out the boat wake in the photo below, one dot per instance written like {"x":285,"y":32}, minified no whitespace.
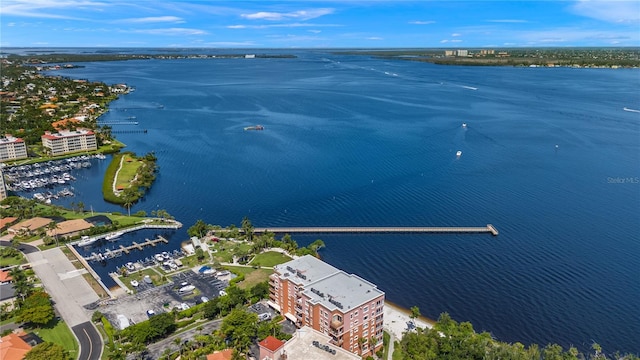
{"x":470,"y":87}
{"x":631,"y":110}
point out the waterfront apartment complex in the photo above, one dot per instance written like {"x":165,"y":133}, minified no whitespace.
{"x":12,"y":148}
{"x":344,"y":306}
{"x":64,"y":142}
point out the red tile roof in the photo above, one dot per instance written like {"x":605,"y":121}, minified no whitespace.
{"x":226,"y":354}
{"x":4,"y":276}
{"x":12,"y":347}
{"x":271,"y":343}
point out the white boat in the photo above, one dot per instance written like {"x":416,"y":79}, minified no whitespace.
{"x":134,"y":283}
{"x":458,"y":153}
{"x":113,"y":236}
{"x":130,"y":266}
{"x":86,"y":241}
{"x":158,"y":257}
{"x":186,"y":289}
{"x":464,"y":125}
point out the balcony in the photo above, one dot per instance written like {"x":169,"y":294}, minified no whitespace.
{"x":336,"y":324}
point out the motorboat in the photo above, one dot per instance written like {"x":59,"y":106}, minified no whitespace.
{"x":458,"y":153}
{"x":86,"y":241}
{"x":130,"y":266}
{"x":113,"y":236}
{"x":464,"y":125}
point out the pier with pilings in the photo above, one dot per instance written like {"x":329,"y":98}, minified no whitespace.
{"x":108,"y":254}
{"x":377,"y":229}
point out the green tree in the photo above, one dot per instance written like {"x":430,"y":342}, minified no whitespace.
{"x":21,"y":284}
{"x":241,"y":326}
{"x":415,"y":313}
{"x":47,"y":351}
{"x":37,"y":309}
{"x":247,"y":228}
{"x":198,"y":229}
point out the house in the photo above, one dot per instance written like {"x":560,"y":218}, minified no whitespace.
{"x":270,"y":348}
{"x":5,"y":278}
{"x":343,"y":306}
{"x":13,"y":347}
{"x":70,"y":228}
{"x":226,"y":354}
{"x":29,"y":226}
{"x":4,"y":222}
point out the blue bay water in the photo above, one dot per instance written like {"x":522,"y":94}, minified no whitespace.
{"x":352,"y":140}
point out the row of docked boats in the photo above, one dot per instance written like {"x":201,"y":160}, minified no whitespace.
{"x":87,"y":241}
{"x":48,"y":174}
{"x":47,"y":196}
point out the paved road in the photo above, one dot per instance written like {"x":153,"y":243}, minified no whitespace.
{"x":69,"y":292}
{"x":90,"y":341}
{"x":25,"y":248}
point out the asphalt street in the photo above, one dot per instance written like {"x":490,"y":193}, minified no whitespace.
{"x":90,"y":341}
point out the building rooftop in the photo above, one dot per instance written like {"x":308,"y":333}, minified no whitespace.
{"x":305,"y":270}
{"x":226,"y":354}
{"x":7,"y":139}
{"x":70,"y":226}
{"x":342,"y":291}
{"x":12,"y":347}
{"x":30,"y":224}
{"x":66,"y":133}
{"x":271,"y":343}
{"x":311,"y":344}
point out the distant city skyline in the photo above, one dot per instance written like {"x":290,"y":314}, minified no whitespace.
{"x":318,"y":24}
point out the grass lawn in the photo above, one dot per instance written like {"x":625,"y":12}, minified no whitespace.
{"x":128,"y":171}
{"x":59,"y":333}
{"x":270,"y":258}
{"x":251,"y":276}
{"x":224,"y":250}
{"x":10,"y":261}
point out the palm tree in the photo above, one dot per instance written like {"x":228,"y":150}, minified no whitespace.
{"x":247,"y":227}
{"x":53,"y":226}
{"x":372,"y":344}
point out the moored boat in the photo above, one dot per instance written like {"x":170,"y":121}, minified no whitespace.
{"x":255,"y":127}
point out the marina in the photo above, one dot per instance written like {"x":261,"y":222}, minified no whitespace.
{"x":109,"y":254}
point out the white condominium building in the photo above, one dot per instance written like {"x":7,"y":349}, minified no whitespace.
{"x":12,"y":148}
{"x":64,"y":142}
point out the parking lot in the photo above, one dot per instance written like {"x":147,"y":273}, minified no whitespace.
{"x":163,"y":298}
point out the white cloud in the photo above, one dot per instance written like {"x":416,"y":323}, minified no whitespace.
{"x":421,"y":22}
{"x":374,"y":38}
{"x":315,"y":31}
{"x":11,"y":24}
{"x":513,"y":21}
{"x":156,"y":19}
{"x":456,"y":34}
{"x":300,"y":14}
{"x":610,"y":11}
{"x":43,"y":8}
{"x":171,"y":31}
{"x":444,"y":41}
{"x":290,"y":25}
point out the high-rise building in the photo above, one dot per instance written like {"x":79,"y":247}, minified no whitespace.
{"x":12,"y":148}
{"x":64,"y":142}
{"x":344,"y":306}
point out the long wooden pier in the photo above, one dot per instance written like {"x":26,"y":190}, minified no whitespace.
{"x":372,"y":229}
{"x":126,"y":249}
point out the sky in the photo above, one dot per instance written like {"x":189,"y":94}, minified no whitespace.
{"x":319,"y":24}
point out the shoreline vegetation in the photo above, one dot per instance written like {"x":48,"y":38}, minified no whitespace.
{"x":128,"y":177}
{"x":527,"y":57}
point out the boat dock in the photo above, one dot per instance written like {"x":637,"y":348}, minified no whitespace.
{"x":108,"y":254}
{"x":354,"y":230}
